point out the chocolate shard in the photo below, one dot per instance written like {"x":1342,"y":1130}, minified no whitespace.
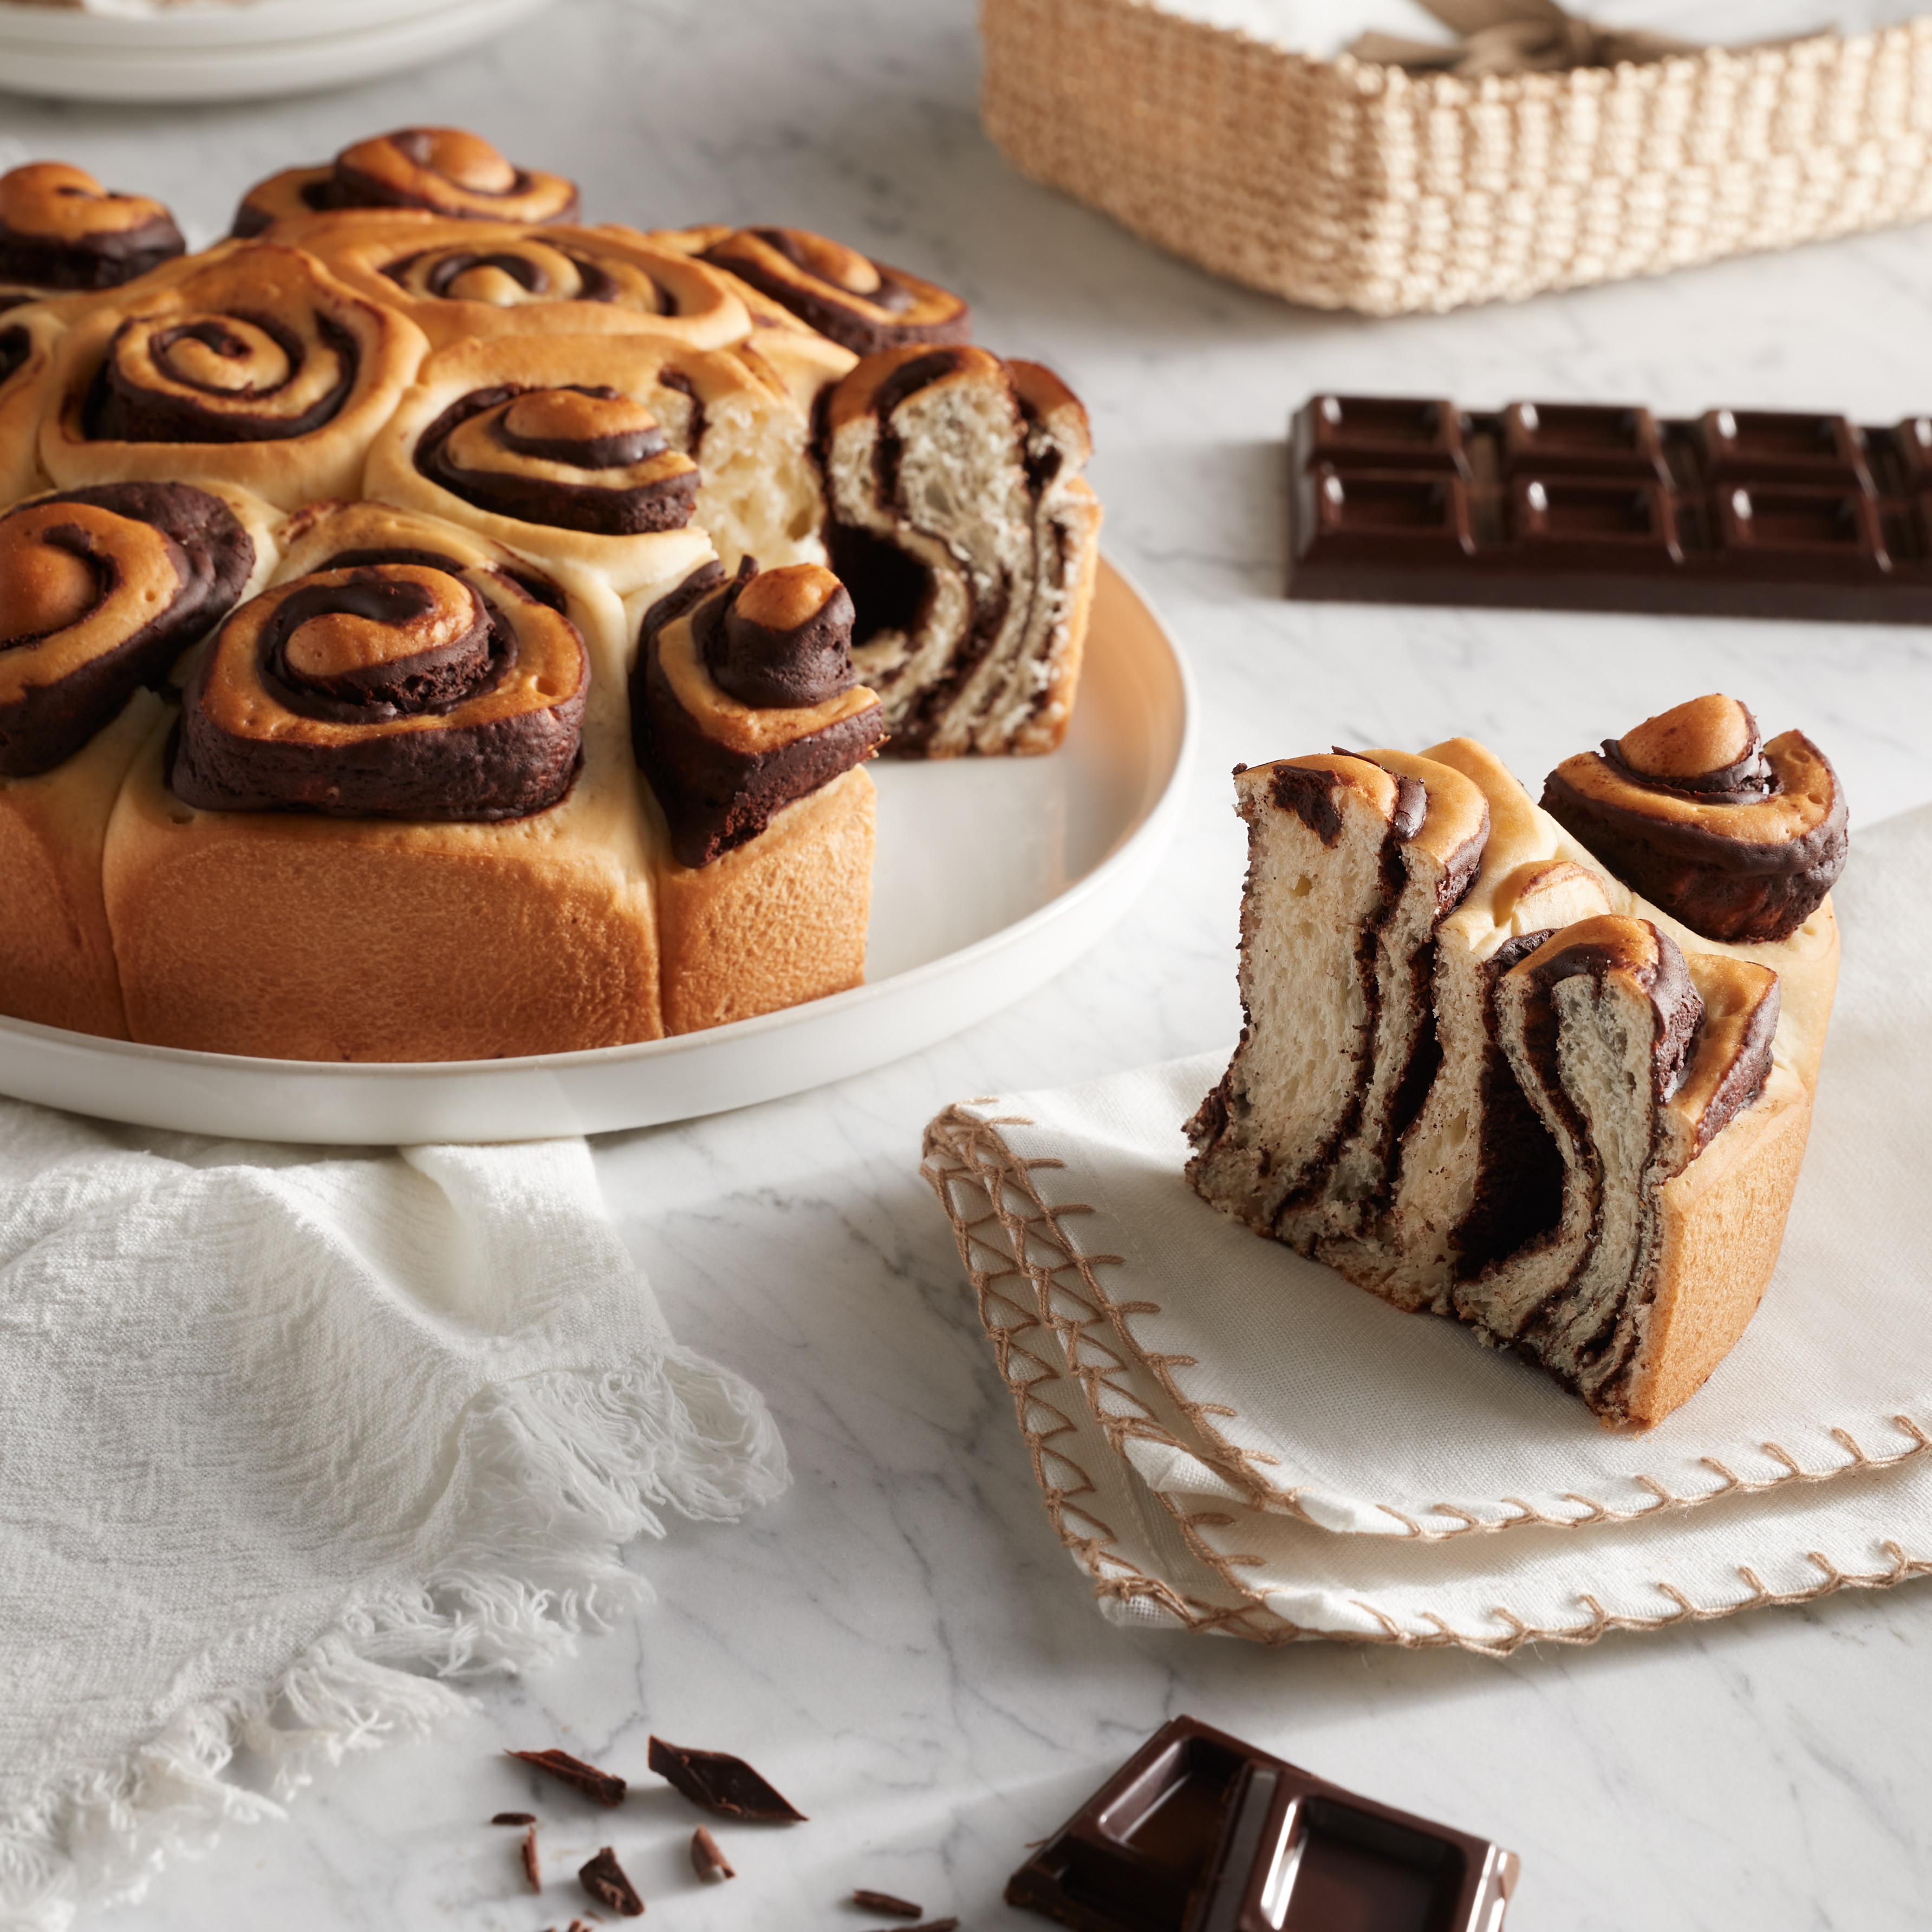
{"x":722,"y":1783}
{"x":883,"y":1901}
{"x":515,"y":1818}
{"x":605,"y":1786}
{"x":531,"y":1870}
{"x":603,"y":1877}
{"x":707,"y":1860}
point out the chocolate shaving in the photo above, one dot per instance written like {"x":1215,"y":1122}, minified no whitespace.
{"x":515,"y":1818}
{"x":604,"y":1878}
{"x":707,"y":1860}
{"x":605,"y":1786}
{"x":531,"y":1870}
{"x":883,"y":1901}
{"x":722,"y":1783}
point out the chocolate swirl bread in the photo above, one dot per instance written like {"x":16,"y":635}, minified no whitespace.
{"x":622,"y":458}
{"x":399,"y":819}
{"x":446,"y":171}
{"x":863,"y":305}
{"x":749,"y":724}
{"x":455,"y":279}
{"x":61,"y":230}
{"x":1620,"y":1231}
{"x":259,"y":368}
{"x":100,"y":591}
{"x":1740,"y":839}
{"x":969,"y":539}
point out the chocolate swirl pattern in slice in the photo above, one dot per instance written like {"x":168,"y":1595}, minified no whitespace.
{"x":845,"y":294}
{"x":259,"y":368}
{"x":456,"y":279}
{"x":445,"y":171}
{"x":386,"y":691}
{"x":969,"y":539}
{"x":60,"y":230}
{"x":1739,"y":839}
{"x":744,"y":701}
{"x":101,"y":590}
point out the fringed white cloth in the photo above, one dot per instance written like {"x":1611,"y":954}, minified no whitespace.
{"x":290,"y":1443}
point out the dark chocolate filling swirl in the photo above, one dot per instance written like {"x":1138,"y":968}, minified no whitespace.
{"x":463,"y":275}
{"x":716,"y":796}
{"x":446,"y":171}
{"x":497,"y":449}
{"x":854,"y":300}
{"x":178,"y":575}
{"x":386,"y":691}
{"x":219,"y":380}
{"x":16,"y":346}
{"x":774,"y":650}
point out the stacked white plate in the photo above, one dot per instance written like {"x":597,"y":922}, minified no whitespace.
{"x":233,"y":52}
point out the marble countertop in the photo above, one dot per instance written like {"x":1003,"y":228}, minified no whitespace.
{"x":900,"y":1643}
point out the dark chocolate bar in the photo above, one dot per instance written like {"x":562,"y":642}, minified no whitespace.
{"x":1199,"y":1832}
{"x":1586,"y":506}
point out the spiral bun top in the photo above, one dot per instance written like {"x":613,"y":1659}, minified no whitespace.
{"x":1738,"y":838}
{"x":259,"y":368}
{"x":856,"y":300}
{"x":389,"y":690}
{"x":445,"y":171}
{"x":101,"y":590}
{"x":60,"y":230}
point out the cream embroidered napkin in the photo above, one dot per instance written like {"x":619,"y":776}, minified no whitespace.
{"x":287,"y":1438}
{"x":1229,"y":1436}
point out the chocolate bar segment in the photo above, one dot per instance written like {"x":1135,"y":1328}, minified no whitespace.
{"x":1606,"y":507}
{"x":1199,"y":1832}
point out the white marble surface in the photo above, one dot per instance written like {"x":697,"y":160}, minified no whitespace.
{"x":900,"y":1643}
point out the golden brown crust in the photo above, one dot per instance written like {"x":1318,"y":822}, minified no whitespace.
{"x":778,"y":920}
{"x":293,"y":937}
{"x":28,"y":335}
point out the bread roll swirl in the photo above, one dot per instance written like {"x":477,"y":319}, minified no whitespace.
{"x":456,"y":279}
{"x":61,"y":229}
{"x":862,"y":303}
{"x":101,"y":590}
{"x":1739,"y":839}
{"x":387,"y":691}
{"x":29,"y":333}
{"x":744,"y":700}
{"x":445,"y":171}
{"x":258,"y":368}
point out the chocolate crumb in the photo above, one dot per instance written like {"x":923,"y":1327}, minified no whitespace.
{"x":515,"y":1818}
{"x":604,"y":1878}
{"x":531,"y":1869}
{"x":707,"y":1860}
{"x":606,"y":1787}
{"x":883,"y":1901}
{"x":722,"y":1783}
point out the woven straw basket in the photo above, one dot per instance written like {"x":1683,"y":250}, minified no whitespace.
{"x":1345,"y":185}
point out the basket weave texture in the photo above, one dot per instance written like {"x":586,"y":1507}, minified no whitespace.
{"x":1345,"y":185}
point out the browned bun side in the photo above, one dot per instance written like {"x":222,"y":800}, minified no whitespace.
{"x":446,"y":171}
{"x":1739,"y":839}
{"x":862,"y":304}
{"x":61,"y":229}
{"x":255,"y":367}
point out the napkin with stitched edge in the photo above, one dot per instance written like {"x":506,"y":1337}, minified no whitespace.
{"x":290,"y":1440}
{"x":1230,"y":1436}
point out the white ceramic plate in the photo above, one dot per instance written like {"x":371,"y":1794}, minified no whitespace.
{"x":993,"y":874}
{"x":234,"y":52}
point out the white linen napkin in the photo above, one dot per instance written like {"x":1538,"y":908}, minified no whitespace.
{"x":1231,"y":1436}
{"x":288,"y":1438}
